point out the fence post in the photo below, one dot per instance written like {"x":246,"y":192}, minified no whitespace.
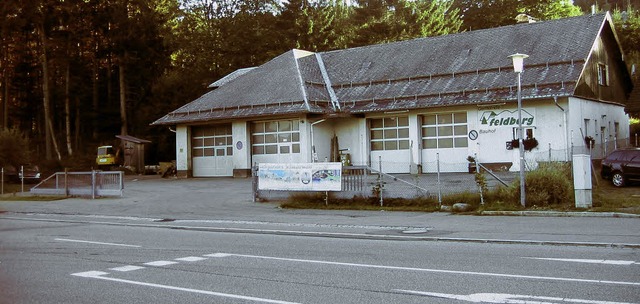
{"x":2,"y":178}
{"x":22,"y":179}
{"x":66,"y":182}
{"x":254,"y":183}
{"x":380,"y":182}
{"x":438,"y":173}
{"x":93,"y":184}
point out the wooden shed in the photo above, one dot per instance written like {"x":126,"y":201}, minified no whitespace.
{"x":133,"y":149}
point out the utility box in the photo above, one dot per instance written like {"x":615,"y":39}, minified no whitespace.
{"x":582,"y":180}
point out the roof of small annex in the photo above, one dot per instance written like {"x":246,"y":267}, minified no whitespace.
{"x":465,"y":68}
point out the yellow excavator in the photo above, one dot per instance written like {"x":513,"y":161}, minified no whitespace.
{"x":107,"y":158}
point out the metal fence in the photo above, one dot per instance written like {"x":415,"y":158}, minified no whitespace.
{"x":445,"y":177}
{"x":94,"y":183}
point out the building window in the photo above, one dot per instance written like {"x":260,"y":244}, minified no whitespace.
{"x":275,"y":137}
{"x":211,"y":141}
{"x":441,"y":131}
{"x":390,"y":133}
{"x":603,"y":74}
{"x":528,"y":133}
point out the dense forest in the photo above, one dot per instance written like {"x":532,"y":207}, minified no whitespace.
{"x":75,"y":73}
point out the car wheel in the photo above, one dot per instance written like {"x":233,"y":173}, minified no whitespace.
{"x":617,"y":179}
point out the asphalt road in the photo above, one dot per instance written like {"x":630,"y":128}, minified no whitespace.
{"x":45,"y":259}
{"x":205,"y":241}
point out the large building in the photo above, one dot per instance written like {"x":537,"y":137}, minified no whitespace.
{"x":406,"y":105}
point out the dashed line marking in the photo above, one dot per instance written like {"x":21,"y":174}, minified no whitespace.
{"x":190,"y":259}
{"x":100,"y":275}
{"x":160,"y":263}
{"x":97,"y":243}
{"x":218,"y":255}
{"x":127,"y":268}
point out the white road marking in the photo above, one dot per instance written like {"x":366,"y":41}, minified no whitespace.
{"x":487,"y":274}
{"x":98,"y":243}
{"x":99,"y":275}
{"x":607,"y":262}
{"x":505,"y":298}
{"x":160,"y":263}
{"x":89,"y":274}
{"x":218,"y":255}
{"x":127,"y":268}
{"x":190,"y":259}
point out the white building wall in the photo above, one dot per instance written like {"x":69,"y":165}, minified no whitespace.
{"x":322,"y":132}
{"x":349,"y":137}
{"x":241,"y":145}
{"x":595,"y":119}
{"x":183,"y":150}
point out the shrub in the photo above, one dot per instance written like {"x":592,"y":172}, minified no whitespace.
{"x":550,"y":184}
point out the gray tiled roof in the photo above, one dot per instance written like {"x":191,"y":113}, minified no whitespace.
{"x":465,"y":68}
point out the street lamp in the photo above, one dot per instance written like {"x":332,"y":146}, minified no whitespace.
{"x":518,"y":67}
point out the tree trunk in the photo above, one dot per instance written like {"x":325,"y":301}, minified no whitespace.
{"x":95,"y":101}
{"x":67,"y":110}
{"x":123,"y":99}
{"x":5,"y":103}
{"x":50,"y":136}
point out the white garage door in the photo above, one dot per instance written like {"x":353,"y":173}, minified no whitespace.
{"x":390,"y":144}
{"x":445,"y":136}
{"x":212,"y":151}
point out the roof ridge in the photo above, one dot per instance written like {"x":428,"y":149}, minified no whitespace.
{"x":453,"y":36}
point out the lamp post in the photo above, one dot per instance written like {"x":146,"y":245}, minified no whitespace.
{"x":518,"y":67}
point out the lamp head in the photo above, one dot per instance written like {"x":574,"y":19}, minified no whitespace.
{"x":518,"y":62}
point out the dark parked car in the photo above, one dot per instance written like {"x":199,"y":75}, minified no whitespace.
{"x":31,"y":173}
{"x":621,"y":166}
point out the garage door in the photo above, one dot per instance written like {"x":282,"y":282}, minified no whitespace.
{"x":390,"y":144}
{"x":212,"y":151}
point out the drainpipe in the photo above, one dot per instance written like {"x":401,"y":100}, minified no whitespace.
{"x":314,"y":155}
{"x":566,"y":127}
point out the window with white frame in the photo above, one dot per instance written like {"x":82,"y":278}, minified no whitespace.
{"x":603,"y":74}
{"x":211,"y":141}
{"x":275,"y":137}
{"x":389,"y":133}
{"x":446,"y":130}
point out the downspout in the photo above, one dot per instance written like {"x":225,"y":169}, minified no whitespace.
{"x":566,"y":127}
{"x":314,"y":155}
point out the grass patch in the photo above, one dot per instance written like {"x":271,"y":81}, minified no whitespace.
{"x":317,"y":201}
{"x":30,"y":198}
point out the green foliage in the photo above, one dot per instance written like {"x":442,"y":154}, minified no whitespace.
{"x":481,"y":14}
{"x":549,"y":184}
{"x":14,"y":147}
{"x":627,"y":26}
{"x":379,"y":21}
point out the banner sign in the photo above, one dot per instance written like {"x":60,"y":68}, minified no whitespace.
{"x":300,"y":176}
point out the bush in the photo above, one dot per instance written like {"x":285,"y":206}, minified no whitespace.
{"x":14,"y":148}
{"x":550,"y":184}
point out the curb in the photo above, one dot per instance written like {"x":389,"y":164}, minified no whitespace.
{"x":562,"y":214}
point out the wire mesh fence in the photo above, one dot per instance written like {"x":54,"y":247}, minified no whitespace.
{"x":440,"y":177}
